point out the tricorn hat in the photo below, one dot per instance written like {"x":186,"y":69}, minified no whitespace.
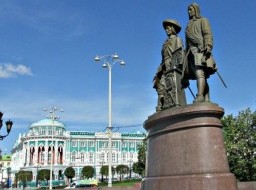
{"x":174,"y":23}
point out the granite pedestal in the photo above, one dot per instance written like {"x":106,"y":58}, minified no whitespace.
{"x":186,"y":150}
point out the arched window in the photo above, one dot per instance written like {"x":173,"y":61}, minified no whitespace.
{"x":50,"y":155}
{"x":60,"y":155}
{"x":41,"y":153}
{"x":32,"y":151}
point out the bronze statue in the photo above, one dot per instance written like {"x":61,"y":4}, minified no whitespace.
{"x":199,"y":63}
{"x":167,"y":80}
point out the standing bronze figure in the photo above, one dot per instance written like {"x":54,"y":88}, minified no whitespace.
{"x":199,"y":63}
{"x":167,"y":80}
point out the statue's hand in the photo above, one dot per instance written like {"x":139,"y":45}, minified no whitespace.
{"x":208,"y":49}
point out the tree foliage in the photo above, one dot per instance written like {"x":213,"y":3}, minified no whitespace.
{"x":121,"y":170}
{"x":24,"y":176}
{"x":87,"y":172}
{"x":70,"y":172}
{"x":43,"y":175}
{"x":139,"y":167}
{"x":16,"y":179}
{"x":104,"y":170}
{"x":240,"y":141}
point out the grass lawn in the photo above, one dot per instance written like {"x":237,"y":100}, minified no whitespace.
{"x":121,"y":183}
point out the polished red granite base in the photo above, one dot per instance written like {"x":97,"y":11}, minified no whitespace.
{"x":186,"y":150}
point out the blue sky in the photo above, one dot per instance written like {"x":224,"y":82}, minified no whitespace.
{"x":47,"y":51}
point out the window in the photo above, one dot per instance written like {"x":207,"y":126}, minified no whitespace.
{"x":102,"y":156}
{"x":113,"y":157}
{"x":91,"y":158}
{"x":124,"y":144}
{"x":73,"y":157}
{"x":82,"y":144}
{"x":131,"y":144}
{"x":42,"y":157}
{"x":42,"y":131}
{"x":82,"y":157}
{"x":114,"y":144}
{"x":104,"y":144}
{"x":60,"y":132}
{"x":49,"y":157}
{"x":124,"y":157}
{"x":73,"y":143}
{"x":91,"y":144}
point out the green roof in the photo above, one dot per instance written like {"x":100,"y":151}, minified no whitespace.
{"x":133,"y":135}
{"x":82,"y":133}
{"x":6,"y":157}
{"x":47,"y":122}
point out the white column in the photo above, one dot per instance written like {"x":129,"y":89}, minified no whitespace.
{"x":64,"y":153}
{"x":25,"y":154}
{"x":56,"y":152}
{"x":36,"y":151}
{"x":46,"y":152}
{"x":78,"y":151}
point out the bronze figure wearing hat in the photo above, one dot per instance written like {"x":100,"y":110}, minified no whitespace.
{"x":167,"y":79}
{"x":199,"y":63}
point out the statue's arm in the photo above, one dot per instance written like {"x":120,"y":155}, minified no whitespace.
{"x":207,"y":34}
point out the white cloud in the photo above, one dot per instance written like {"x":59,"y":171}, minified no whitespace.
{"x":8,"y":70}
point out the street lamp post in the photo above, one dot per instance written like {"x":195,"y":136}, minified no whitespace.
{"x":1,"y":172}
{"x":108,"y":62}
{"x":8,"y":177}
{"x":8,"y":126}
{"x":53,"y":117}
{"x":37,"y":176}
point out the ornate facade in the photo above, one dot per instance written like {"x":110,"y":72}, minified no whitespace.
{"x":47,"y":139}
{"x":5,"y":162}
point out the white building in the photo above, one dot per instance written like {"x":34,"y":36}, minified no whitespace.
{"x":33,"y":151}
{"x":5,"y":163}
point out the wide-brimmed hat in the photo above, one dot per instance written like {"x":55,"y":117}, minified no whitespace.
{"x":171,"y":22}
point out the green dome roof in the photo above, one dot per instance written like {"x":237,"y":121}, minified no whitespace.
{"x":47,"y":122}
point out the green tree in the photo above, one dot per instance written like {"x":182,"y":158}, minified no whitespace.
{"x":24,"y":177}
{"x":139,"y":167}
{"x":43,"y":175}
{"x":70,"y":173}
{"x":135,"y":168}
{"x":87,"y":172}
{"x":104,"y":171}
{"x":121,"y":170}
{"x":16,"y":179}
{"x":240,"y":142}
